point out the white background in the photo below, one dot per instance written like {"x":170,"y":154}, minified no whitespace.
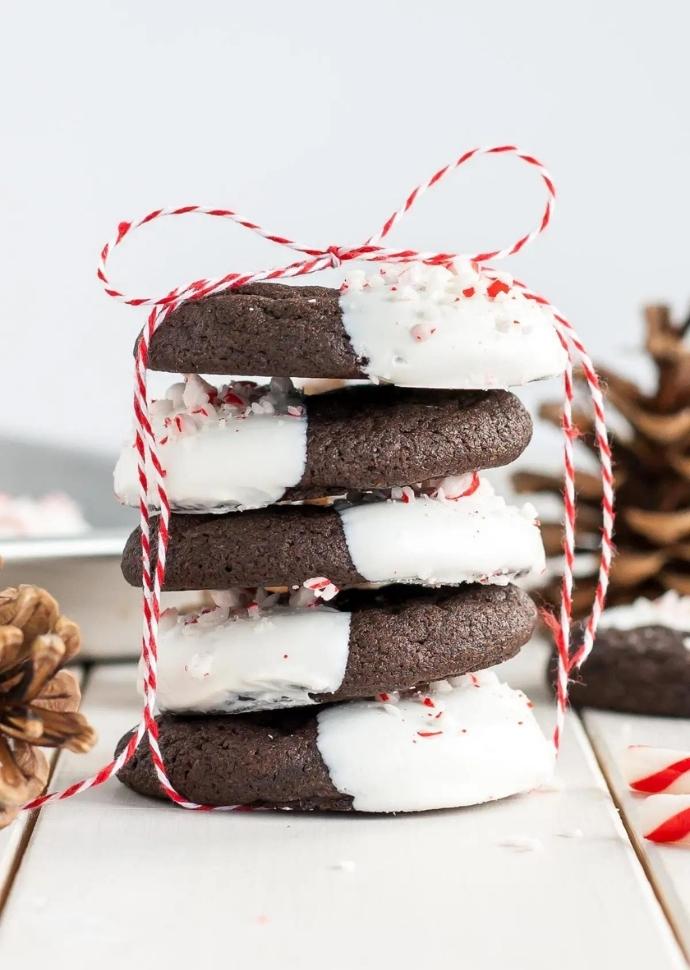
{"x":315,"y":119}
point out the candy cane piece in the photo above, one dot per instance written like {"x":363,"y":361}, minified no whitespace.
{"x":666,"y":819}
{"x":652,"y":770}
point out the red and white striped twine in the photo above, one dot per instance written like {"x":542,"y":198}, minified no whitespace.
{"x":314,"y":260}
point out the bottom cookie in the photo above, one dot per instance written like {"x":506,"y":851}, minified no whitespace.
{"x":641,"y":662}
{"x":463,"y":742}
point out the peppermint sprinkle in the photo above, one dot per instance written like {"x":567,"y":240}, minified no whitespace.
{"x":388,"y":697}
{"x":322,"y":587}
{"x":190,"y":406}
{"x":422,"y":331}
{"x":496,"y":287}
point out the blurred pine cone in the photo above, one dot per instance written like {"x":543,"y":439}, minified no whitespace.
{"x":652,"y":474}
{"x":38,"y":699}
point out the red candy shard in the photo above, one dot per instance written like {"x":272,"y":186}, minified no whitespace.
{"x":496,"y":287}
{"x":472,"y":487}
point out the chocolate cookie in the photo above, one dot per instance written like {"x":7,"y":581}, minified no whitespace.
{"x":376,"y":437}
{"x":268,"y":760}
{"x":432,"y":541}
{"x":460,"y":743}
{"x":264,"y":328}
{"x":645,"y":670}
{"x":414,"y":326}
{"x":236,"y":660}
{"x":358,"y":438}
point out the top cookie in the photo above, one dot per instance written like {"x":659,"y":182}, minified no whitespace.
{"x":414,"y":325}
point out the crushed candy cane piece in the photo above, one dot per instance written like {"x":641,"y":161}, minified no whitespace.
{"x":496,"y":287}
{"x":322,"y":587}
{"x":422,"y":331}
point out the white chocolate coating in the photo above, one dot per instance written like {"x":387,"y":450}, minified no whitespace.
{"x":232,"y":663}
{"x":405,"y":758}
{"x":670,"y":610}
{"x":476,"y":538}
{"x":425,"y":326}
{"x":220,"y":456}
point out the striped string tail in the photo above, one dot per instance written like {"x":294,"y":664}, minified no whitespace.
{"x":309,"y":260}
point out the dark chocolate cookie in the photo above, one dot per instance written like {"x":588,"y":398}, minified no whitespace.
{"x":640,"y":671}
{"x":295,"y":331}
{"x":376,"y":437}
{"x":278,"y":546}
{"x":402,"y":637}
{"x":268,"y":760}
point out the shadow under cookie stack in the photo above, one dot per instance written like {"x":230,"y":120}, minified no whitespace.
{"x":358,"y":568}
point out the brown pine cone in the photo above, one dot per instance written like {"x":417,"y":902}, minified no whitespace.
{"x":651,"y":451}
{"x":38,"y":699}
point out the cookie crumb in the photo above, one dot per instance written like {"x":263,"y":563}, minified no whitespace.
{"x":522,"y":843}
{"x":554,"y":785}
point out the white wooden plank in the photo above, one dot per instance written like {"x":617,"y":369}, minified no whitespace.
{"x":13,"y":838}
{"x":668,"y":866}
{"x":107,"y":871}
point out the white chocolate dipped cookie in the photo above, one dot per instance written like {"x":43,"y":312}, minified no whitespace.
{"x":243,"y":446}
{"x":256,"y":651}
{"x":414,"y":325}
{"x":454,"y":531}
{"x":461,"y":742}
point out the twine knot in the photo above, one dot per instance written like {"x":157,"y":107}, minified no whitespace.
{"x":336,"y":256}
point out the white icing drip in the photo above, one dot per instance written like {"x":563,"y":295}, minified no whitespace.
{"x":239,"y":447}
{"x":426,"y":326}
{"x":260,"y":659}
{"x":476,"y":538}
{"x":670,"y":610}
{"x":485,"y":745}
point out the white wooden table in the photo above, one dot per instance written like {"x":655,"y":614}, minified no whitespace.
{"x":549,"y":881}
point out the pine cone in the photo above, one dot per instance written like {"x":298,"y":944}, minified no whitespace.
{"x":652,"y":476}
{"x":38,"y":700}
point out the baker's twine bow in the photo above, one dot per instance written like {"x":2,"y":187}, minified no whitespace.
{"x":313,"y":261}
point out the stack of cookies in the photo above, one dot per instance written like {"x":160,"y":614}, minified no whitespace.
{"x":358,"y":567}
